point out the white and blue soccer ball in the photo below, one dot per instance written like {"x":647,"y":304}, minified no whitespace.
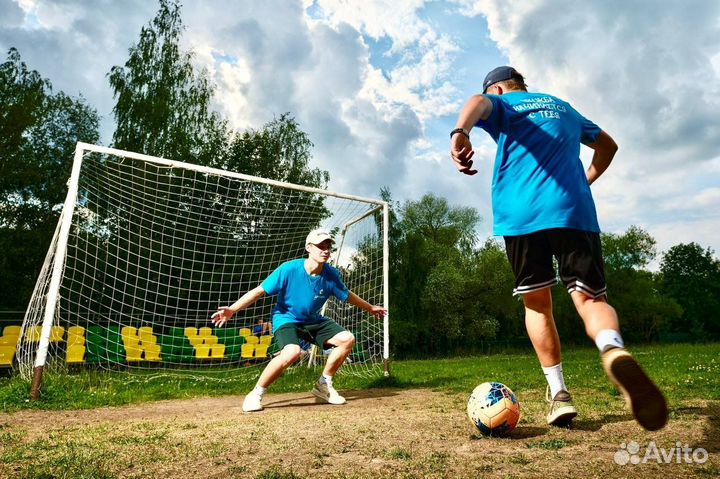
{"x":494,"y":409}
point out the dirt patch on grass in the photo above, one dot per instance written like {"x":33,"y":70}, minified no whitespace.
{"x":378,"y":433}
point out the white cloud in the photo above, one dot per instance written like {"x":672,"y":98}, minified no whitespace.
{"x":646,"y":72}
{"x":378,"y":84}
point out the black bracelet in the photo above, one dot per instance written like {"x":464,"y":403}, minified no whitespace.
{"x":460,"y":130}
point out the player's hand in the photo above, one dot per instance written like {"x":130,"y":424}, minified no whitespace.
{"x":378,"y":311}
{"x":222,"y":316}
{"x":461,"y":151}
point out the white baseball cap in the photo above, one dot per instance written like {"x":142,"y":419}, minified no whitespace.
{"x":318,"y":236}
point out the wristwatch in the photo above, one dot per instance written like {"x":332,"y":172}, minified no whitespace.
{"x":460,"y":130}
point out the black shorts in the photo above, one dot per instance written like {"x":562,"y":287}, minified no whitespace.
{"x":317,"y":333}
{"x":579,"y":256}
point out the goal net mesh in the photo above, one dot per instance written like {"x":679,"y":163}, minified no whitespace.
{"x":155,"y":247}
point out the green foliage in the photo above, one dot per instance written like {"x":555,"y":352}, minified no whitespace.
{"x":691,"y":275}
{"x":22,"y":96}
{"x":643,"y":312}
{"x":163,"y":109}
{"x":446,"y":295}
{"x":434,"y":219}
{"x":162,"y":104}
{"x":38,"y":134}
{"x":633,"y":249}
{"x":279,"y":151}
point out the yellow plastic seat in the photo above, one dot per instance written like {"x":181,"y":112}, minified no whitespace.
{"x":267,"y":339}
{"x":76,"y":330}
{"x":32,"y":334}
{"x":128,"y":332}
{"x":252,"y":339}
{"x":205,"y":331}
{"x":261,"y":350}
{"x":12,"y":330}
{"x":133,"y":352}
{"x":75,"y":354}
{"x":195,"y":340}
{"x":75,"y":339}
{"x":7,"y":353}
{"x":152,"y":352}
{"x":145,"y":331}
{"x":9,"y":340}
{"x":217,"y":351}
{"x":247,"y":350}
{"x":147,"y":340}
{"x":210,"y":340}
{"x":202,"y":351}
{"x":57,"y":333}
{"x":130,"y":341}
{"x":191,"y":331}
{"x":245,"y":332}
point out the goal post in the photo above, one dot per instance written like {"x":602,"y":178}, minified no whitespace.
{"x":147,"y":248}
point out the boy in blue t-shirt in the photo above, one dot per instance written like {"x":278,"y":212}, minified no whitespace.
{"x":302,"y":286}
{"x":543,"y":207}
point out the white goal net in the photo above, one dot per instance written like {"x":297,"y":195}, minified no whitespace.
{"x":146,"y":250}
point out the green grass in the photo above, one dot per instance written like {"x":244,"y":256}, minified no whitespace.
{"x":683,"y":371}
{"x":549,"y":444}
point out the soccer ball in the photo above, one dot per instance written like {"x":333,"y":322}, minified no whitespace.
{"x":494,"y":409}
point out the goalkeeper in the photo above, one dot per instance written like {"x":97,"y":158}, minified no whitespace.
{"x":303,"y":286}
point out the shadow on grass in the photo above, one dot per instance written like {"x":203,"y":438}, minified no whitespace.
{"x":370,"y":393}
{"x":595,"y":424}
{"x":526,"y":432}
{"x":310,"y":400}
{"x":519,"y":433}
{"x":711,"y":428}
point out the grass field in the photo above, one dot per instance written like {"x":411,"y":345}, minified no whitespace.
{"x":412,"y":424}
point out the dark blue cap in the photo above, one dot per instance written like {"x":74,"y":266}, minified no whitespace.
{"x":501,"y":74}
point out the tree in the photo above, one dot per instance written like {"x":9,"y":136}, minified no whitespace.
{"x":22,"y":96}
{"x":434,"y":219}
{"x":38,"y":134}
{"x":633,"y":249}
{"x":644,"y":314}
{"x":446,"y":296}
{"x":691,"y":275}
{"x":163,"y":105}
{"x":279,"y":151}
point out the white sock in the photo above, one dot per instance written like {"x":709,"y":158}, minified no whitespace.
{"x":259,"y":390}
{"x":326,"y":379}
{"x":554,"y":376}
{"x":608,"y":339}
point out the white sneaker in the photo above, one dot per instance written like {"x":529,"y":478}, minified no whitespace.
{"x":327,"y":393}
{"x":252,"y":402}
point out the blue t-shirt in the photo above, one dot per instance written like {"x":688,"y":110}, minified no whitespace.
{"x":300,"y":295}
{"x":539,"y":181}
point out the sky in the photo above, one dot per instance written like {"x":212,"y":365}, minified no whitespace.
{"x":378,"y":85}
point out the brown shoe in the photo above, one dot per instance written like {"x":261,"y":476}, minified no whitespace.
{"x":642,"y":396}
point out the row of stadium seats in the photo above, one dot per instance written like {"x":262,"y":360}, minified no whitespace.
{"x":131,"y":345}
{"x":8,"y":345}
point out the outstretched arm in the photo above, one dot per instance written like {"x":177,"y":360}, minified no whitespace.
{"x":605,"y":149}
{"x":477,"y":108}
{"x":224,"y":313}
{"x":377,"y":311}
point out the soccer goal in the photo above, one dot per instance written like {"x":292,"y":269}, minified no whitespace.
{"x":147,"y":248}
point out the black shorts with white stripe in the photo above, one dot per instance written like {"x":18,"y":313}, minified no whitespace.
{"x":579,"y":256}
